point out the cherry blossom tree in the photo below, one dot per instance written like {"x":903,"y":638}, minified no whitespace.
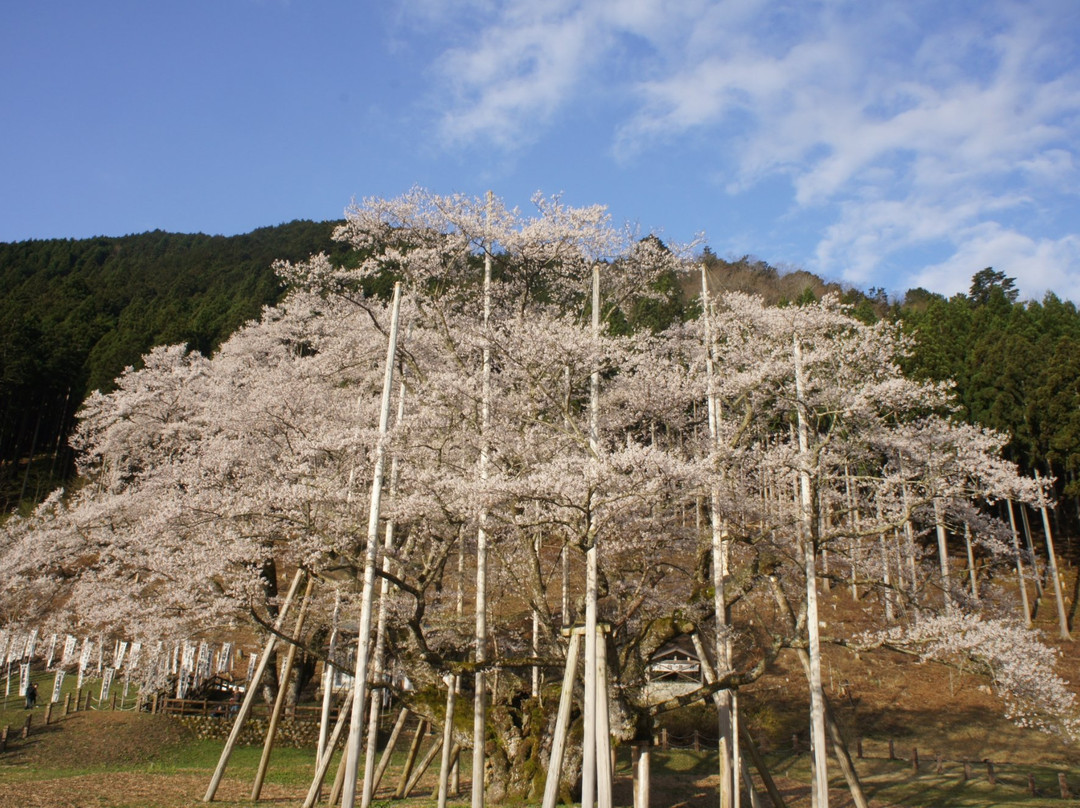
{"x":684,"y":480}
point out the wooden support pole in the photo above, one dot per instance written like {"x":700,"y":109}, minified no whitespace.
{"x":423,"y":765}
{"x":48,"y":714}
{"x":339,"y":779}
{"x":26,"y":726}
{"x":3,"y":738}
{"x":641,"y":774}
{"x":249,"y":695}
{"x":363,"y":650}
{"x":915,"y":760}
{"x":384,"y":761}
{"x":328,"y":754}
{"x":410,"y":759}
{"x":67,"y":703}
{"x":328,"y":679}
{"x":759,"y":764}
{"x":447,"y":742}
{"x":1063,"y":621}
{"x":1022,"y":584}
{"x":562,"y":722}
{"x":455,"y":751}
{"x":282,"y":694}
{"x":604,"y":767}
{"x":1063,"y":787}
{"x":991,"y":778}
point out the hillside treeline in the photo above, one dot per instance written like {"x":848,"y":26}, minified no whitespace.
{"x":75,"y":313}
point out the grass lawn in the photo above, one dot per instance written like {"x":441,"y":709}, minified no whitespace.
{"x":126,"y":760}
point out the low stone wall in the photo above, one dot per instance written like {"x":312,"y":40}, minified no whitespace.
{"x":301,"y":734}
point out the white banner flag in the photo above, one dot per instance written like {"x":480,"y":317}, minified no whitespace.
{"x":58,"y":684}
{"x":18,"y":642}
{"x":84,"y":660}
{"x":225,"y":658}
{"x":28,"y":654}
{"x":133,"y":658}
{"x":202,"y":663}
{"x":188,"y":660}
{"x":52,"y":652}
{"x":69,"y":651}
{"x":24,"y":678}
{"x":121,"y":652}
{"x":182,"y":683}
{"x":87,"y":649}
{"x":106,"y":683}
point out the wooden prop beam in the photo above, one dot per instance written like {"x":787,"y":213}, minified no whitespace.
{"x":249,"y":696}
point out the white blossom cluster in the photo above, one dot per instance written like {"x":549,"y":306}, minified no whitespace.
{"x":1021,"y":667}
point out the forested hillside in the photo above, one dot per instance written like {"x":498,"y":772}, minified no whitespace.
{"x":74,"y":313}
{"x":1016,"y":366}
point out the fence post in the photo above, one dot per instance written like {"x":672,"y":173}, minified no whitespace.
{"x":939,"y":766}
{"x":967,"y":770}
{"x":858,"y":748}
{"x":1031,"y":784}
{"x":86,"y":706}
{"x":112,"y":705}
{"x":67,"y":703}
{"x":26,"y":726}
{"x":915,"y":759}
{"x":78,"y":699}
{"x":991,"y":778}
{"x":1064,"y":786}
{"x":664,"y":739}
{"x":892,"y":750}
{"x":48,"y":713}
{"x":3,"y":738}
{"x":697,"y":741}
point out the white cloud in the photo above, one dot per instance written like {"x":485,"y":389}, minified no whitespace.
{"x":909,"y":124}
{"x":1039,"y":265}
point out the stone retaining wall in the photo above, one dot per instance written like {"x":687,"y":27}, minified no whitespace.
{"x":290,"y":731}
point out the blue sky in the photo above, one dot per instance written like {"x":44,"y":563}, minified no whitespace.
{"x":896,"y":143}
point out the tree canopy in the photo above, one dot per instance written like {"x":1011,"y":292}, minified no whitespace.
{"x":715,"y":471}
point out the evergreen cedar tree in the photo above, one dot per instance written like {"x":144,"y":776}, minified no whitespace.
{"x":204,"y":479}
